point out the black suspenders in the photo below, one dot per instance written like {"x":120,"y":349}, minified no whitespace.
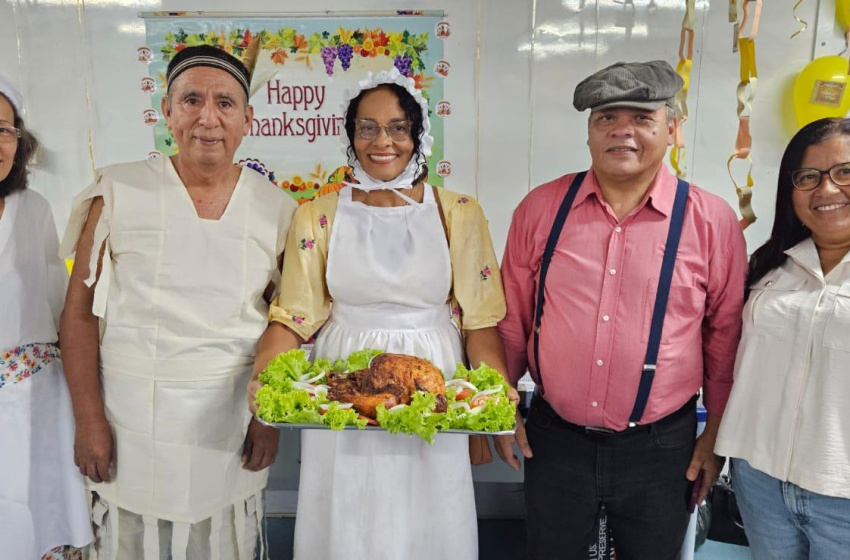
{"x":672,"y":245}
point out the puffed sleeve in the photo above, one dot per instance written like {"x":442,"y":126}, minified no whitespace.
{"x":477,"y":282}
{"x":304,"y":302}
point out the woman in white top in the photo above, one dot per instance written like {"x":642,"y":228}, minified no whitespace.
{"x":787,"y":423}
{"x":371,"y":265}
{"x":43,"y":511}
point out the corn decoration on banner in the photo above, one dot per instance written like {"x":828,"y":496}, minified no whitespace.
{"x":678,"y":155}
{"x":745,"y":93}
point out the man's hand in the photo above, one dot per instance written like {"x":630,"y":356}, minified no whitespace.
{"x":260,"y":446}
{"x":253,"y":386}
{"x":704,"y":458}
{"x":505,"y":444}
{"x":93,"y":449}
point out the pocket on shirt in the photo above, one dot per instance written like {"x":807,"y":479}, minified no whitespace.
{"x":770,"y":306}
{"x":685,"y":303}
{"x":837,"y":333}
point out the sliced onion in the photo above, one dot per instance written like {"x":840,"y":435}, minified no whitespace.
{"x":313,"y":379}
{"x":462,"y":405}
{"x":341,"y":405}
{"x":477,"y":410}
{"x":397,"y":407}
{"x":303,"y":385}
{"x":486,"y":392}
{"x":320,"y":390}
{"x":462,"y":383}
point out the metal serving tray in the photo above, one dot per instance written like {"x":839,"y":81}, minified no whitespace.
{"x":287,"y":426}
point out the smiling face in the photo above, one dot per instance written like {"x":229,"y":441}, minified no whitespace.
{"x":826,"y":209}
{"x":206,"y":112}
{"x":7,"y":149}
{"x":382,"y":158}
{"x":628,"y":144}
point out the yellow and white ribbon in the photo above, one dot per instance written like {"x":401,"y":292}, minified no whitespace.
{"x":678,"y":155}
{"x":746,"y":93}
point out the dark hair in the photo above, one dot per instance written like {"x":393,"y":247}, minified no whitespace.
{"x":27,"y":145}
{"x":412,"y":110}
{"x":788,"y":230}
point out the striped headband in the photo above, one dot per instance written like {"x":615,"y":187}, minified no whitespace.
{"x":213,"y":57}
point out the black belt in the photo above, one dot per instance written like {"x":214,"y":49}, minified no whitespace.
{"x":689,"y":408}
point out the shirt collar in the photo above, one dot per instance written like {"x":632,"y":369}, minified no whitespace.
{"x":660,"y":196}
{"x":805,"y":254}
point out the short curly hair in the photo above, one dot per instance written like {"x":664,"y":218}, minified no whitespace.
{"x":17,"y":179}
{"x":411,"y":109}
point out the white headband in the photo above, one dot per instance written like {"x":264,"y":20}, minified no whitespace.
{"x":414,"y":167}
{"x":13,"y":94}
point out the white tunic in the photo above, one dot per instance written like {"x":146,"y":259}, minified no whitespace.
{"x":788,"y":412}
{"x":42,"y":496}
{"x":374,"y":495}
{"x":181,"y":301}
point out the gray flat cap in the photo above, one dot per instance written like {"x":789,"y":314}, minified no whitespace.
{"x":642,"y":85}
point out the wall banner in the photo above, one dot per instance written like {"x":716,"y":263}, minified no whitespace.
{"x":304,"y":66}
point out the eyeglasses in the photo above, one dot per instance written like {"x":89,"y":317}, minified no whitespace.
{"x":369,"y":130}
{"x":810,"y":179}
{"x":9,"y":134}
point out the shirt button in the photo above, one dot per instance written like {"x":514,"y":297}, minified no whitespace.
{"x":598,"y":362}
{"x":606,"y":318}
{"x":594,"y":404}
{"x":618,"y":229}
{"x":613,"y":271}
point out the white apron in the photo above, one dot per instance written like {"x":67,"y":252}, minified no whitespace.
{"x":182,"y":317}
{"x":42,"y":495}
{"x":374,"y":495}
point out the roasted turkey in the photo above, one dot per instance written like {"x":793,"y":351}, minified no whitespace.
{"x":389,"y":380}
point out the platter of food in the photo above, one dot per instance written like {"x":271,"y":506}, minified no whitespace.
{"x":372,"y":390}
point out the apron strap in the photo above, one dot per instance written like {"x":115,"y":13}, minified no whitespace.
{"x":215,"y":536}
{"x":554,"y":235}
{"x":180,"y":540}
{"x":406,"y":198}
{"x":674,"y":234}
{"x":151,"y":537}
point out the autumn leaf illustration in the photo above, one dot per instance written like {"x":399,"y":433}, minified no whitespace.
{"x":279,"y":56}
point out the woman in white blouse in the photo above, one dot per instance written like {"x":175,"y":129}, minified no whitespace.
{"x":43,"y":510}
{"x":787,"y":424}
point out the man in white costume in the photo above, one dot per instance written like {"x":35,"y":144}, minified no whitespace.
{"x":176,"y":259}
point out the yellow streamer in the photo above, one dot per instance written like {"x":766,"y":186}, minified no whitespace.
{"x":801,"y":21}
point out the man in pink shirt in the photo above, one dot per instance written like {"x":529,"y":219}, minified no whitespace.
{"x":643,"y":281}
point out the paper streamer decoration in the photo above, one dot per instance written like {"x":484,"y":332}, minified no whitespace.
{"x":746,"y":93}
{"x":678,"y":155}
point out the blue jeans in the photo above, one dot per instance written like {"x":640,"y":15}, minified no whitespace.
{"x":786,"y":522}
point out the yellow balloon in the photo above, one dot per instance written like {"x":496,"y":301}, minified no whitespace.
{"x":842,"y":14}
{"x":822,"y":90}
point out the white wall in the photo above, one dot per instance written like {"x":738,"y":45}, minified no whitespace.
{"x":515,"y":64}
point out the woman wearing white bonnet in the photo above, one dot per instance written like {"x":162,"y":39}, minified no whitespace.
{"x":43,"y":511}
{"x":389,"y":263}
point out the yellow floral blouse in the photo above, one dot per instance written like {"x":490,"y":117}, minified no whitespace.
{"x":478,"y":299}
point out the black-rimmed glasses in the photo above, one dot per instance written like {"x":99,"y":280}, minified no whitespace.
{"x":810,"y":179}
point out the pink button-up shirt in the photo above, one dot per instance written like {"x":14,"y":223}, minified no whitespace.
{"x":600,"y":292}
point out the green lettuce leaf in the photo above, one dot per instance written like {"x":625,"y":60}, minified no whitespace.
{"x":285,"y":368}
{"x":337,"y":418}
{"x":294,"y":406}
{"x":417,"y":418}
